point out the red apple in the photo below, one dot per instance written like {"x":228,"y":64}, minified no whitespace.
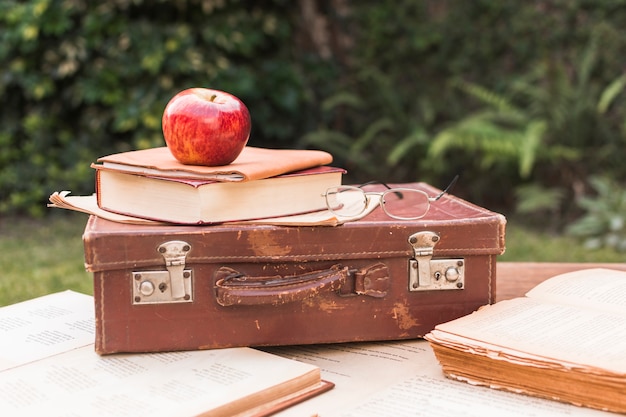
{"x":206,"y":127}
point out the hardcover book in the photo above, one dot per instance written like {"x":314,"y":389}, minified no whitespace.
{"x":192,"y":201}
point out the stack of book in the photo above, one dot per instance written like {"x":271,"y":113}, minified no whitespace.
{"x":152,"y":186}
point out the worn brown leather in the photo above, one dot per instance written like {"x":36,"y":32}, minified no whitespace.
{"x":374,"y":303}
{"x":234,"y":288}
{"x":372,"y":280}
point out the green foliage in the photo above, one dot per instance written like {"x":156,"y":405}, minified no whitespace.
{"x":505,"y":93}
{"x":604,"y":222}
{"x":540,"y":205}
{"x":502,"y":135}
{"x":524,"y":244}
{"x":555,"y":123}
{"x":534,"y":197}
{"x":83,"y":79}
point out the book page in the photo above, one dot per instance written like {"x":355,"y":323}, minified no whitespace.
{"x":82,"y":383}
{"x":45,"y":326}
{"x":403,"y":379}
{"x":561,"y":333}
{"x":597,"y":288}
{"x":89,"y":205}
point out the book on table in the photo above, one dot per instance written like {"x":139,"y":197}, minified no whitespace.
{"x":565,"y":340}
{"x":48,"y":366}
{"x":399,"y":378}
{"x":191,"y":201}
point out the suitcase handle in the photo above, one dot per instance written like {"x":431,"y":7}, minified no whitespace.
{"x":234,"y":288}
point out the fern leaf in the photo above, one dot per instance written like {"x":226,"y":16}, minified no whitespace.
{"x":341,"y":99}
{"x":533,"y":198}
{"x":417,"y":137}
{"x":371,"y":133}
{"x":334,"y":142}
{"x":486,"y":96}
{"x":531,"y":143}
{"x":610,"y":93}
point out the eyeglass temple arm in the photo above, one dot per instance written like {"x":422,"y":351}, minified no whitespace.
{"x":448,"y":188}
{"x":373,"y":182}
{"x":397,"y":193}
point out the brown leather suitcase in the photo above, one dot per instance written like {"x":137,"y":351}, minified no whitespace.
{"x":169,"y":287}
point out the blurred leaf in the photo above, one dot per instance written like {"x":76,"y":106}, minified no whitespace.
{"x":610,"y":93}
{"x":605,"y":217}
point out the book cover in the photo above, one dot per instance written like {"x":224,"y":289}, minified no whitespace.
{"x":252,"y":164}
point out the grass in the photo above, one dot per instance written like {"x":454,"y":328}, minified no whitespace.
{"x":527,"y":245}
{"x":39,"y":257}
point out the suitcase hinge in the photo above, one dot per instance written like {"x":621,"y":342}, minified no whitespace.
{"x":171,"y":286}
{"x":427,"y":274}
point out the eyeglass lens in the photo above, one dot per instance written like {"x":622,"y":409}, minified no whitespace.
{"x":403,"y":203}
{"x":346,"y":201}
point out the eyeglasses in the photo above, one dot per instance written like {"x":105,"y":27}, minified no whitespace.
{"x":398,"y":203}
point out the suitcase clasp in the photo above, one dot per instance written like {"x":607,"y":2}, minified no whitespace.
{"x":170,"y":286}
{"x":427,"y":274}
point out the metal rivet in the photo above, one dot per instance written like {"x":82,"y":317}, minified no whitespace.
{"x":459,"y":263}
{"x":146,"y":288}
{"x":459,"y":285}
{"x":162,"y":249}
{"x":186,"y":274}
{"x":137,"y":277}
{"x":137,"y":299}
{"x":413,"y":239}
{"x":187,"y":297}
{"x":186,"y":248}
{"x":435,"y":238}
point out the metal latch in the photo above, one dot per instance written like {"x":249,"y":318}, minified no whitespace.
{"x":171,"y":286}
{"x":427,"y":274}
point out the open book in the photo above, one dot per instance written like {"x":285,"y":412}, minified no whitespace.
{"x":48,"y":367}
{"x":566,"y":340}
{"x":399,"y":379}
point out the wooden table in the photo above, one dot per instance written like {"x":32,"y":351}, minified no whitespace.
{"x":514,"y":279}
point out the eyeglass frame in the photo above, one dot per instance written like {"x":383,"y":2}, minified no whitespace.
{"x":381,"y":201}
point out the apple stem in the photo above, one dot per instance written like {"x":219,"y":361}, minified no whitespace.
{"x":213,"y":97}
